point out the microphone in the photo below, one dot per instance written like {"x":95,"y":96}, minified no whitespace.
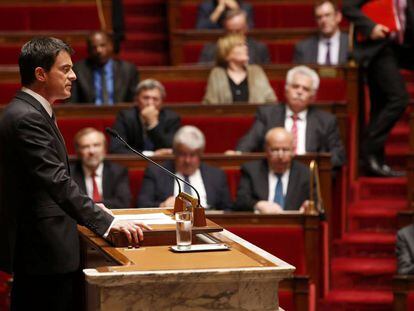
{"x":115,"y":134}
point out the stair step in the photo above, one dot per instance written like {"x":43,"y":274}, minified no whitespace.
{"x":382,"y":188}
{"x":366,"y":245}
{"x":147,"y":24}
{"x":145,"y":7}
{"x":374,"y":219}
{"x":143,"y":58}
{"x":357,"y":300}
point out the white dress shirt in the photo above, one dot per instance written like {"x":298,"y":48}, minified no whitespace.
{"x":43,"y":101}
{"x":334,"y":49}
{"x":301,"y":128}
{"x":196,"y":180}
{"x":273,"y":181}
{"x":89,"y":182}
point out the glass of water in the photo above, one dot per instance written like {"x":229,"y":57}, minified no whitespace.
{"x":183,"y":230}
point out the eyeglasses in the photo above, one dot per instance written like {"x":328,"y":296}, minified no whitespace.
{"x":283,"y":151}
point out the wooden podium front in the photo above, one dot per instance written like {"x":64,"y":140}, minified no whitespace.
{"x":153,"y":277}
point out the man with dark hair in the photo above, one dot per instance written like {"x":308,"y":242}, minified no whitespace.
{"x":102,"y":79}
{"x":148,"y":126}
{"x":235,"y":21}
{"x":102,"y":180}
{"x":330,"y":45}
{"x":40,"y":203}
{"x":381,"y":52}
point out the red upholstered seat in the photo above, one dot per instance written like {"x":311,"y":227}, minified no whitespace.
{"x":7,"y":91}
{"x":222,"y":133}
{"x":233,"y":179}
{"x":69,"y":127}
{"x":4,"y":290}
{"x":185,"y":91}
{"x":286,"y":300}
{"x":135,"y":182}
{"x":410,"y":301}
{"x":286,"y":243}
{"x":49,"y":17}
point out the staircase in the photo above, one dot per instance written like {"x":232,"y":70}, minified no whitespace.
{"x":146,"y":42}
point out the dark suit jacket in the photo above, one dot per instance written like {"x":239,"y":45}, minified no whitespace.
{"x":366,"y":49}
{"x":306,"y":51}
{"x":258,"y":53}
{"x":254,"y":185}
{"x":115,"y":184}
{"x":405,"y":250}
{"x":207,"y":7}
{"x":322,"y":133}
{"x":125,"y":80}
{"x":40,"y":203}
{"x":128,"y":125}
{"x":157,"y":186}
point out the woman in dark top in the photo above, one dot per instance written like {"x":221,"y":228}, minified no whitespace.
{"x":211,"y":13}
{"x":233,"y":79}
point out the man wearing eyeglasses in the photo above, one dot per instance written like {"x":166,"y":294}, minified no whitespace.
{"x":277,"y":183}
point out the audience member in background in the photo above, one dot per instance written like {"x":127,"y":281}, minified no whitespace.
{"x":381,"y":53}
{"x":277,"y":183}
{"x":159,"y":189}
{"x":233,"y":79}
{"x":405,"y":250}
{"x":313,"y":130}
{"x":102,"y":79}
{"x":236,"y":22}
{"x":330,"y":45}
{"x":211,"y":13}
{"x":148,"y":126}
{"x":102,"y":180}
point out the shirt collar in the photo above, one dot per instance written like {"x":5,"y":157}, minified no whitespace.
{"x":301,"y":115}
{"x":88,"y":172}
{"x":43,"y":101}
{"x":333,"y":38}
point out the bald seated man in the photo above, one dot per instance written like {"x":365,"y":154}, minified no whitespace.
{"x":102,"y":180}
{"x":277,"y":183}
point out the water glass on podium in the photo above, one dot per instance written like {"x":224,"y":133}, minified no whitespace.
{"x":183,"y":230}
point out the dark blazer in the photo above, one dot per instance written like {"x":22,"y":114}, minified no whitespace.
{"x":128,"y":125}
{"x":366,"y":48}
{"x":125,"y":80}
{"x":157,"y":186}
{"x":258,"y":53}
{"x":40,"y":204}
{"x":322,"y":133}
{"x":207,"y":7}
{"x":254,"y":185}
{"x":405,"y":250}
{"x":115,"y":184}
{"x":306,"y":51}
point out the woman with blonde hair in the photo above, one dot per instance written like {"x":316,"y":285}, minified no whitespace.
{"x":233,"y":79}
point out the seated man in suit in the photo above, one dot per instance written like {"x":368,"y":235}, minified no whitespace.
{"x":102,"y":79}
{"x":330,"y":45}
{"x":236,"y":22}
{"x":210,"y":13}
{"x":102,"y":180}
{"x":405,"y":250}
{"x":277,"y":183}
{"x":146,"y":127}
{"x":313,"y":130}
{"x":160,"y":189}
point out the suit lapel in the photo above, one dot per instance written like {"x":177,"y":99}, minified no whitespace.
{"x":292,"y":186}
{"x":311,"y":139}
{"x":263,"y":181}
{"x":208,"y":185}
{"x":343,"y":48}
{"x":106,"y":177}
{"x":314,"y":50}
{"x":79,"y":176}
{"x":118,"y":83}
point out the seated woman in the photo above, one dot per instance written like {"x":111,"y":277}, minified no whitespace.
{"x":211,"y":13}
{"x":233,"y":79}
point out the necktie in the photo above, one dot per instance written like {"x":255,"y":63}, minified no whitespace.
{"x":105,"y":97}
{"x":294,"y":131}
{"x":96,"y":197}
{"x":328,"y":53}
{"x":279,"y":198}
{"x":187,"y":188}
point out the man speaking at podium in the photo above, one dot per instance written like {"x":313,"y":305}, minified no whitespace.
{"x":40,"y":204}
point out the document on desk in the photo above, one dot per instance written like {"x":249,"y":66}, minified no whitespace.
{"x":149,"y":219}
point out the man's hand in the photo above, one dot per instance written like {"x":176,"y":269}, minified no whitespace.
{"x":150,"y":116}
{"x":304,"y":206}
{"x":131,"y":229}
{"x":379,"y":32}
{"x":169,"y":202}
{"x":163,"y":151}
{"x":266,"y":207}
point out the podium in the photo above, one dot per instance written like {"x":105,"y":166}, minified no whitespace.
{"x":153,"y":277}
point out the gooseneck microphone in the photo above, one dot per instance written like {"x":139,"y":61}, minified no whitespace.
{"x":115,"y":134}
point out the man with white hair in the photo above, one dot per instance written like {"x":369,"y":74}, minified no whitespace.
{"x":160,"y":189}
{"x":313,"y":130}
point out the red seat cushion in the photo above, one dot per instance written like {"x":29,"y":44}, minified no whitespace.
{"x":286,"y":300}
{"x":222,"y":133}
{"x":7,"y":92}
{"x":286,"y":243}
{"x":135,"y":183}
{"x":233,"y":179}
